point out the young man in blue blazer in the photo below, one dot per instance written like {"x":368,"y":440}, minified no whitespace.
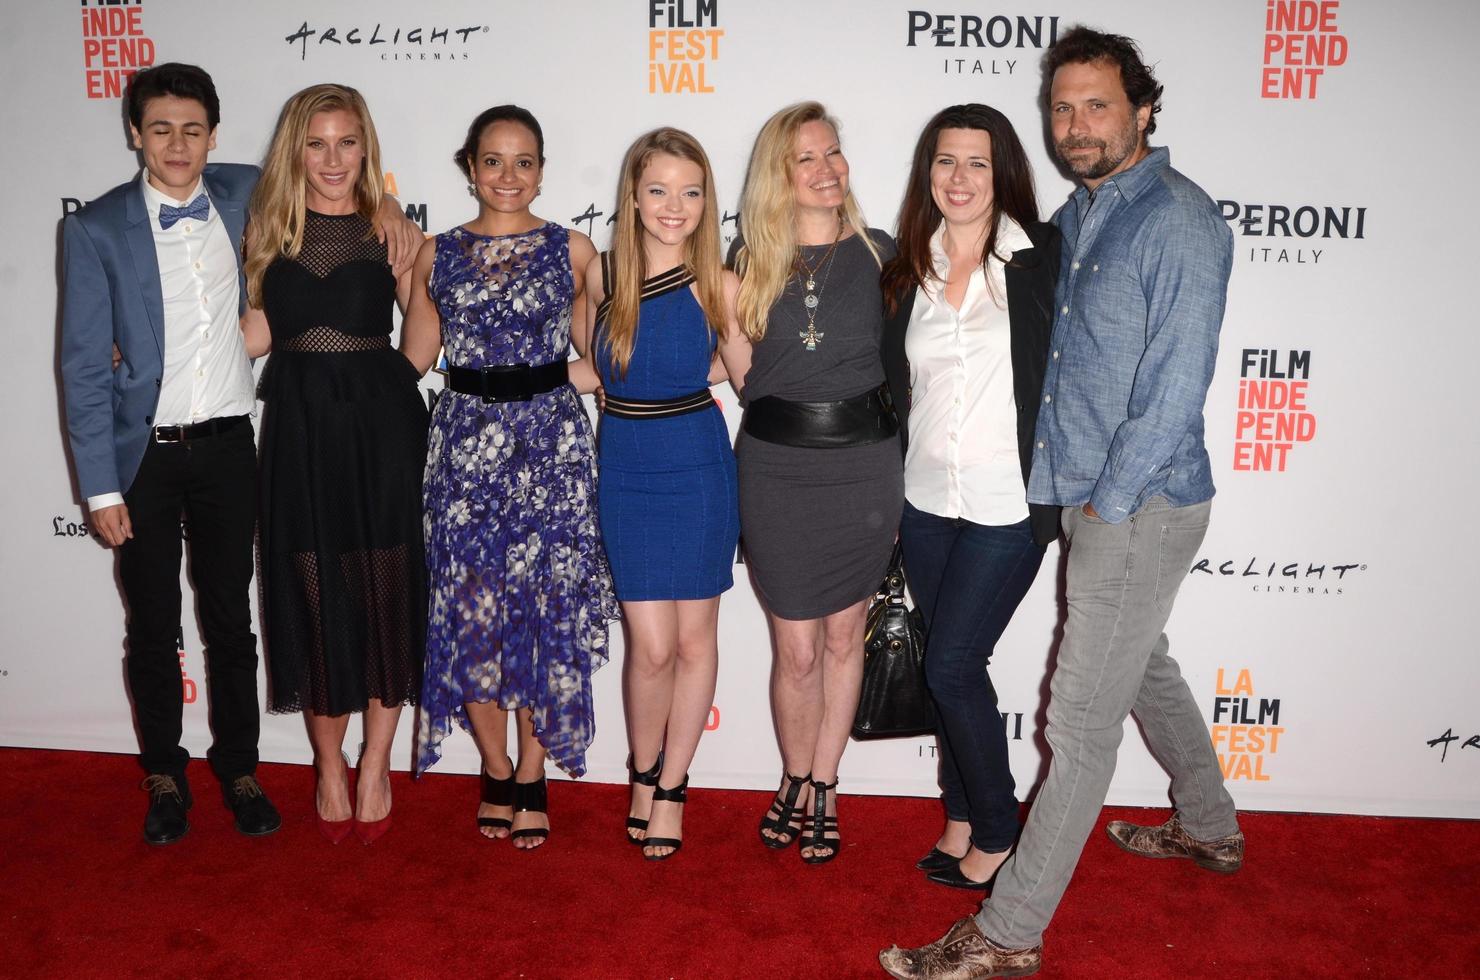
{"x":153,"y":267}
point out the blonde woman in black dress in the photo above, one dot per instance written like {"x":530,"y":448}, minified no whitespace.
{"x":821,"y":481}
{"x":343,"y":445}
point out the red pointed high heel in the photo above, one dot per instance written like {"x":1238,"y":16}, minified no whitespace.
{"x":370,"y":831}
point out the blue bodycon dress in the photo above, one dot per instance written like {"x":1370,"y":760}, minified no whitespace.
{"x":666,"y":488}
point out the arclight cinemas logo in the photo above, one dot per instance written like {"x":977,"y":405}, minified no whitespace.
{"x":391,"y":42}
{"x":999,"y":34}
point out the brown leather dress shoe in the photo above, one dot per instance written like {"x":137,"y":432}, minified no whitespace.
{"x":1171,"y":840}
{"x":961,"y":954}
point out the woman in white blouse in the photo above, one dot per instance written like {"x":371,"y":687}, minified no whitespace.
{"x":970,"y":298}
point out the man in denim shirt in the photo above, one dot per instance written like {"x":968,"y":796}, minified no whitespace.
{"x":1120,"y":446}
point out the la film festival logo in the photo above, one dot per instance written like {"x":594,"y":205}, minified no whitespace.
{"x":114,"y":46}
{"x":1245,"y":732}
{"x":1306,"y":222}
{"x":432,"y":43}
{"x":1301,"y":41}
{"x":997,"y":33}
{"x":682,"y":43}
{"x":1273,"y":417}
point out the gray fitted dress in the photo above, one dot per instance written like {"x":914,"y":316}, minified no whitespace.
{"x":819,"y":524}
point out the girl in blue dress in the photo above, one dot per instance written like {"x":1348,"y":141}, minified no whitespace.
{"x":669,"y":510}
{"x":520,"y":590}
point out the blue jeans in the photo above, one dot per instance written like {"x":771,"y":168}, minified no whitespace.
{"x":967,"y":580}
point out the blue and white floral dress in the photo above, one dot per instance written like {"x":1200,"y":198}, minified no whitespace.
{"x":521,"y":593}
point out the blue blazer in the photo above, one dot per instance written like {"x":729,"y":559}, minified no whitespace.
{"x":111,"y":295}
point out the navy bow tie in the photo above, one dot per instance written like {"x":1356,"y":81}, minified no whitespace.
{"x":199,"y":209}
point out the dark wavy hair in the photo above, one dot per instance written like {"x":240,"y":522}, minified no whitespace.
{"x":500,"y":113}
{"x":919,"y":216}
{"x":1082,"y":44}
{"x":172,"y":78}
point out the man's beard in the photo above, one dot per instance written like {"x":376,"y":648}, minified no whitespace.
{"x":1112,"y":154}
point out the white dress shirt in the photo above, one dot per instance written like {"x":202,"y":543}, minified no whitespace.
{"x":962,"y":460}
{"x":206,"y":371}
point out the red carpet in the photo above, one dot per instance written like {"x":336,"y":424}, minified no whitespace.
{"x":85,"y":896}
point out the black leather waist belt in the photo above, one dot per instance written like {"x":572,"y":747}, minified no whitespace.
{"x":509,"y":382}
{"x":856,"y":421}
{"x":197,"y":430}
{"x":664,"y":408}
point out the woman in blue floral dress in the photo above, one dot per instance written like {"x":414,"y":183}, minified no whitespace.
{"x":521,"y":593}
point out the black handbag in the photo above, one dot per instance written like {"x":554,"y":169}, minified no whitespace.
{"x":894,"y":702}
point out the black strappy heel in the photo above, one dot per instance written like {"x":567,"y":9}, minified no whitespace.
{"x":647,"y":778}
{"x":818,"y":825}
{"x":496,"y":792}
{"x":788,"y":815}
{"x":531,"y":798}
{"x":679,"y":794}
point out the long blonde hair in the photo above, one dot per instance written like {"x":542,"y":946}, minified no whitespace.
{"x":279,"y":207}
{"x":767,"y":213}
{"x":701,"y":249}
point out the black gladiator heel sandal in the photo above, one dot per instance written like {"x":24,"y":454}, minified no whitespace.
{"x":788,"y":818}
{"x":495,"y":792}
{"x":647,"y":778}
{"x":818,"y":825}
{"x":679,"y":794}
{"x":531,"y":798}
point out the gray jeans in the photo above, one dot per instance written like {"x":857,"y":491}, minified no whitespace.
{"x":1122,"y":579}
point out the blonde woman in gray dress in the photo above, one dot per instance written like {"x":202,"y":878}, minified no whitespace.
{"x":821,"y":480}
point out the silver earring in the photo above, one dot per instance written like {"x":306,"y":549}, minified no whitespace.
{"x":472,"y":191}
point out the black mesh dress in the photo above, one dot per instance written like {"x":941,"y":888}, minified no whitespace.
{"x":343,"y":446}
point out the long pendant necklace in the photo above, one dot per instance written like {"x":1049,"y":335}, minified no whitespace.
{"x":810,"y":299}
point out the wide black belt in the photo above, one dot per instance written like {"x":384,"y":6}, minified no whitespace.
{"x":856,"y":421}
{"x":509,"y":382}
{"x":196,"y":430}
{"x":664,"y":408}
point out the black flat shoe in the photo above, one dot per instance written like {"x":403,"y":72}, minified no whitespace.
{"x":169,"y":798}
{"x":255,"y":815}
{"x":647,"y":778}
{"x":495,"y":792}
{"x":679,"y":794}
{"x":531,"y":798}
{"x":938,"y":859}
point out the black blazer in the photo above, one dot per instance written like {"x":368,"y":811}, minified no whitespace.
{"x":1031,"y":277}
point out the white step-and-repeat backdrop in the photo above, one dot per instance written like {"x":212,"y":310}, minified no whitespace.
{"x":1326,"y":626}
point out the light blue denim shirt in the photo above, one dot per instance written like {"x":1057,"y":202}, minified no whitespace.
{"x":1135,"y":336}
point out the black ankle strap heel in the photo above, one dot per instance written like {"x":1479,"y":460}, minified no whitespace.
{"x":679,"y":794}
{"x":648,"y":778}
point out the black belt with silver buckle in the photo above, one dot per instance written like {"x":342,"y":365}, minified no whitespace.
{"x":509,"y":382}
{"x":197,"y":430}
{"x":662,"y":408}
